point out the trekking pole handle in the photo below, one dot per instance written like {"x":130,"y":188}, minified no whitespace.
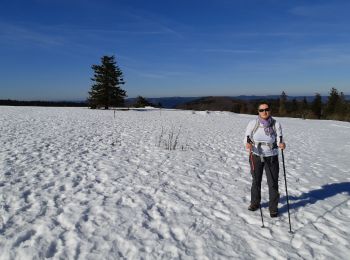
{"x":280,"y":139}
{"x":249,"y":141}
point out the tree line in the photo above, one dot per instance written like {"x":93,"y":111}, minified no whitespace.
{"x":10,"y":102}
{"x":335,"y":108}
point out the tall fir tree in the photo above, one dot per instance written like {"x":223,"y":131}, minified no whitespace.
{"x":317,"y":106}
{"x":304,"y":104}
{"x":142,"y":102}
{"x":341,"y":108}
{"x":294,"y":107}
{"x":332,"y":102}
{"x":106,"y":90}
{"x":304,"y":108}
{"x":282,"y":110}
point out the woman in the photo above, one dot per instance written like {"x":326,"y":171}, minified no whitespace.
{"x":263,"y":137}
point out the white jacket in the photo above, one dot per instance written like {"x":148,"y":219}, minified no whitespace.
{"x":260,"y":137}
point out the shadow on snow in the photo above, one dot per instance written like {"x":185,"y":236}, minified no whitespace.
{"x":312,"y":196}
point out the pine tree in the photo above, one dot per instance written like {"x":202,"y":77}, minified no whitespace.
{"x":294,"y":107}
{"x":282,"y":104}
{"x":142,"y":102}
{"x":347,"y":111}
{"x":340,"y":106}
{"x":333,"y":100}
{"x":304,"y":104}
{"x":106,"y":90}
{"x":317,"y":106}
{"x":304,"y":108}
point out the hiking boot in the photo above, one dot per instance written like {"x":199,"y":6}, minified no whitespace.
{"x":253,"y":207}
{"x":273,"y":214}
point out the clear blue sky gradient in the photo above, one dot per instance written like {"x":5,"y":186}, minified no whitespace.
{"x":175,"y":48}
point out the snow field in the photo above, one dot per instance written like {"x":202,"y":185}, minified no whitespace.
{"x":83,"y":184}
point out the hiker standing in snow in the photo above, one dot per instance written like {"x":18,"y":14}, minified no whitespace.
{"x":262,"y":139}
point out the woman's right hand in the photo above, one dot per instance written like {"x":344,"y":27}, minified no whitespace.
{"x":249,"y":146}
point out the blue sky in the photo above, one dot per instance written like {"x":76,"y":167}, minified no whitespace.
{"x":175,"y":48}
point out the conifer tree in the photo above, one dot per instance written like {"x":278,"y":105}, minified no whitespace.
{"x":304,"y":104}
{"x":317,"y":106}
{"x":304,"y":108}
{"x":106,"y":90}
{"x":333,"y":100}
{"x":347,"y":111}
{"x":142,"y":102}
{"x":294,"y":107}
{"x":282,"y":104}
{"x":340,"y":108}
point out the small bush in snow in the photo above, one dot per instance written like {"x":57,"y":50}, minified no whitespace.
{"x":170,"y":139}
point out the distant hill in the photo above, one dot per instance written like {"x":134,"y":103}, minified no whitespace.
{"x":166,"y":102}
{"x":298,"y":98}
{"x":8,"y":102}
{"x":174,"y":102}
{"x":211,"y":103}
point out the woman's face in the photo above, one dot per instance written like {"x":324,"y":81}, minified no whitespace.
{"x":264,"y":111}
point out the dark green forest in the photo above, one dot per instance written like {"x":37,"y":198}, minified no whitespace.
{"x":335,"y":107}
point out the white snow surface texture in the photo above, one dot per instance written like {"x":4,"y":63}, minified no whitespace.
{"x":77,"y":183}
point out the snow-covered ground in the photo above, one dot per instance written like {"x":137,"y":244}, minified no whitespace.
{"x":93,"y":184}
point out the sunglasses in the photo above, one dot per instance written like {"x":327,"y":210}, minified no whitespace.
{"x":266,"y":110}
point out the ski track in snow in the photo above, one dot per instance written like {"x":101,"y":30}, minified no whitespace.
{"x":80,"y":184}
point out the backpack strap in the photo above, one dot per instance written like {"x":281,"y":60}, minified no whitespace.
{"x":256,"y":127}
{"x":274,"y":145}
{"x":274,"y":127}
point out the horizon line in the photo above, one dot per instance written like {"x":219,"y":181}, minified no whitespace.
{"x":85,"y":101}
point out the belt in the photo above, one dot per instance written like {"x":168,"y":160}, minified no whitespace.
{"x":270,"y":145}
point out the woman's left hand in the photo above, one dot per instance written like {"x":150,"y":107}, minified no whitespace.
{"x":282,"y":146}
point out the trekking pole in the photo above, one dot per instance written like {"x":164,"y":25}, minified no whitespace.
{"x":285,"y":182}
{"x":253,"y":172}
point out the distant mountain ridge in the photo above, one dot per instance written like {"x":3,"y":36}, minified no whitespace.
{"x":39,"y":103}
{"x":166,"y":102}
{"x":173,"y":102}
{"x":212,"y":104}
